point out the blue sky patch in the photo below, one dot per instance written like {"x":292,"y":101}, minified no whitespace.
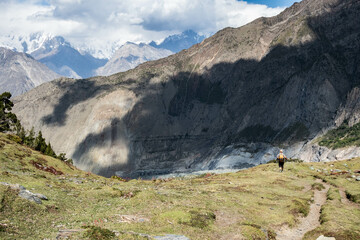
{"x":273,"y":3}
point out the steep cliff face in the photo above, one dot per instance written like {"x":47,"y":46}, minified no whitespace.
{"x":19,"y":72}
{"x":226,"y":102}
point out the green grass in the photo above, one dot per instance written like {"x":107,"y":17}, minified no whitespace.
{"x":337,"y":220}
{"x":342,"y":136}
{"x":211,"y":206}
{"x":333,"y":194}
{"x":98,"y":233}
{"x":317,"y":186}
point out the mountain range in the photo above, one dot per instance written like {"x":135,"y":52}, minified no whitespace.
{"x":229,"y":102}
{"x":19,"y":72}
{"x":66,"y":60}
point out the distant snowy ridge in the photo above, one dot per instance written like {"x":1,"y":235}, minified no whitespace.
{"x":131,"y":55}
{"x":84,"y":61}
{"x":55,"y":52}
{"x":25,"y":43}
{"x":178,"y":42}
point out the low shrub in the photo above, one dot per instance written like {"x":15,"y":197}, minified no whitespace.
{"x":200,"y":220}
{"x":353,"y":197}
{"x":300,"y":206}
{"x":98,"y":233}
{"x":317,"y":186}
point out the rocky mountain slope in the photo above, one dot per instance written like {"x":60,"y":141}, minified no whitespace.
{"x":229,"y":101}
{"x":129,"y":56}
{"x":20,"y":72}
{"x":178,"y":42}
{"x":44,"y":198}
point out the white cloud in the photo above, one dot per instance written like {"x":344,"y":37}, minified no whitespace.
{"x":100,"y":23}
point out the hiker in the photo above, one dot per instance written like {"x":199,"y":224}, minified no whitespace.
{"x":281,"y":158}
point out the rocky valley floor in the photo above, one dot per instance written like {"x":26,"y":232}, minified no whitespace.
{"x":45,"y":198}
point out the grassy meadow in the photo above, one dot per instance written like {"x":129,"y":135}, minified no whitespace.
{"x":249,"y":204}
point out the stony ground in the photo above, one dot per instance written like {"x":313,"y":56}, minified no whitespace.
{"x":306,"y":201}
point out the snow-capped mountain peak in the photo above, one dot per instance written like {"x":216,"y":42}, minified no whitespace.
{"x":25,"y":43}
{"x":178,"y":42}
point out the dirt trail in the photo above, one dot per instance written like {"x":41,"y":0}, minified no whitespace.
{"x":308,"y":223}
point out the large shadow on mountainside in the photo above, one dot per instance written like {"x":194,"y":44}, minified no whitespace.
{"x":293,"y":92}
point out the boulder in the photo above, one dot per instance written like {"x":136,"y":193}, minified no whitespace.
{"x":322,"y":237}
{"x":171,"y":237}
{"x":26,"y":194}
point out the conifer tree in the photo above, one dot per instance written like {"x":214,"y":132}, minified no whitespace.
{"x":7,"y":118}
{"x":49,"y":151}
{"x":22,"y":134}
{"x":40,"y":144}
{"x":29,"y":140}
{"x":18,"y":128}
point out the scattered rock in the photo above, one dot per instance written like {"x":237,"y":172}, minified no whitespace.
{"x":171,"y":237}
{"x":312,"y":168}
{"x":358,"y":179}
{"x":77,"y":180}
{"x":26,"y":194}
{"x":322,"y":237}
{"x":41,"y":196}
{"x":66,"y":233}
{"x":131,"y":218}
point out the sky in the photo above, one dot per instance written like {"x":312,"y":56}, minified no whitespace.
{"x":100,"y":23}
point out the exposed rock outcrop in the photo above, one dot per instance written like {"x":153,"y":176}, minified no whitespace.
{"x":26,"y":194}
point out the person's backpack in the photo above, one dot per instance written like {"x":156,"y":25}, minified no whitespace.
{"x":281,"y":157}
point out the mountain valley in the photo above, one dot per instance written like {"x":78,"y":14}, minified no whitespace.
{"x":229,"y":102}
{"x":45,"y":198}
{"x":178,"y":139}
